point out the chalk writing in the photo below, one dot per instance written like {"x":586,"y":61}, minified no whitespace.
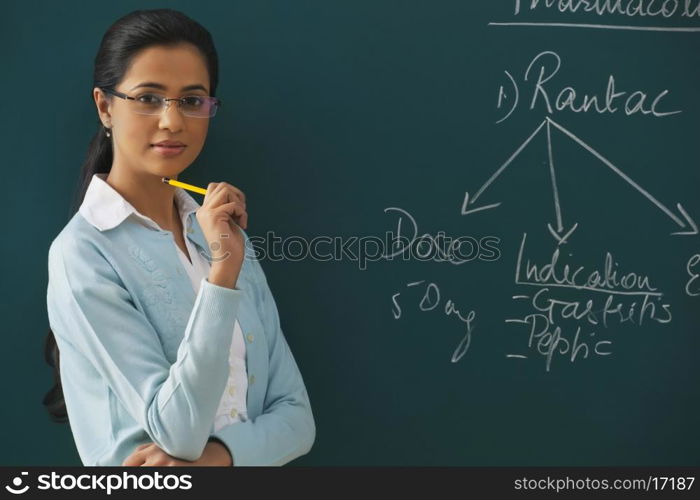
{"x":429,"y":301}
{"x":542,"y":70}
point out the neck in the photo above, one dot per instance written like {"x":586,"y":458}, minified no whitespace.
{"x":148,"y":194}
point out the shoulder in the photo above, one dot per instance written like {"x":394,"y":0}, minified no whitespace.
{"x":76,"y":234}
{"x":78,"y":246}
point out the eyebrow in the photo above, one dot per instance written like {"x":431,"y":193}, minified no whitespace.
{"x":163,"y":87}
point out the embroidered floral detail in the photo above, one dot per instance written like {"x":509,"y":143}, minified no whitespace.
{"x":157,"y":293}
{"x":142,"y":258}
{"x":159,"y":302}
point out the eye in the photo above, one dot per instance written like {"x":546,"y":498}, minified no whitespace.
{"x":148,"y":98}
{"x":193,"y":100}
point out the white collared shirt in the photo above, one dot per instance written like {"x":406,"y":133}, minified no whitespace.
{"x":105,"y":208}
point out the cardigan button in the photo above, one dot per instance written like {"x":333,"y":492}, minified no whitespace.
{"x":250,"y":337}
{"x":251,"y":379}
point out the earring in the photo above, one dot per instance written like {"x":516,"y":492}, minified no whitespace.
{"x":107,"y":132}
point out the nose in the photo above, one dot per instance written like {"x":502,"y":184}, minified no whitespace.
{"x":170,"y":117}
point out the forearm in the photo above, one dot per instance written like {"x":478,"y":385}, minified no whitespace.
{"x":286,"y":431}
{"x":214,"y":454}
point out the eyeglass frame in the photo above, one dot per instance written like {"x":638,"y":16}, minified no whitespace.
{"x":166,"y":100}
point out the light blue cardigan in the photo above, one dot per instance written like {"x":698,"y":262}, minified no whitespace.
{"x":142,"y":359}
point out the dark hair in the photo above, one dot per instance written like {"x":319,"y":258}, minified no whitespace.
{"x":121,"y":42}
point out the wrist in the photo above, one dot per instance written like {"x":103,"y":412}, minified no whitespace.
{"x":223,"y":276}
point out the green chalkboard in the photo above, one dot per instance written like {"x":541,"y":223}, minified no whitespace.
{"x":478,"y":219}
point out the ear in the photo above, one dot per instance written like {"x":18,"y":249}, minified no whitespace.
{"x":104,"y":106}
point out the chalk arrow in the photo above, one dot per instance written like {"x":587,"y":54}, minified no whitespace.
{"x":684,"y":221}
{"x":466,"y":210}
{"x":675,"y":218}
{"x":560,"y":235}
{"x":471,"y":200}
{"x":689,"y":220}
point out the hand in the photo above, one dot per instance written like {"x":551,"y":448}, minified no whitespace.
{"x":148,"y":454}
{"x":221,"y":213}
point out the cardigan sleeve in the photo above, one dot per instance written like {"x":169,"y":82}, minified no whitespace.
{"x":286,"y":429}
{"x":89,"y":308}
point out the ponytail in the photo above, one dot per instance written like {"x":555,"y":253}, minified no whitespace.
{"x":98,"y":160}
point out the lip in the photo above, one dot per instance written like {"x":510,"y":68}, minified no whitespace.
{"x":168,"y":151}
{"x":168,"y":143}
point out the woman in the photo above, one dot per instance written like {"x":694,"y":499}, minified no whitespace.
{"x":171,"y":351}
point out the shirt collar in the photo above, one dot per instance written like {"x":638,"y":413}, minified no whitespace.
{"x":105,"y":208}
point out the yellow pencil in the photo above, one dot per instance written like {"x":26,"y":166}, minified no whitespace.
{"x":183,"y":185}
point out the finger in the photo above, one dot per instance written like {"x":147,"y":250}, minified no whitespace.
{"x":237,"y":195}
{"x":233,"y":188}
{"x":174,"y":462}
{"x":161,"y":460}
{"x":222,"y":192}
{"x":232,"y":210}
{"x":135,"y":459}
{"x":154,"y":459}
{"x":220,"y":196}
{"x":212,"y":189}
{"x":142,"y":446}
{"x":233,"y":192}
{"x":226,"y":195}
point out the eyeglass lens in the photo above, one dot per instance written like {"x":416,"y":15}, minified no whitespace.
{"x":194,"y":105}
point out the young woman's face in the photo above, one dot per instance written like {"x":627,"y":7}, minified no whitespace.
{"x":134,"y":134}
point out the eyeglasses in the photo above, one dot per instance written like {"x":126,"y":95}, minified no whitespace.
{"x":153,"y":104}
